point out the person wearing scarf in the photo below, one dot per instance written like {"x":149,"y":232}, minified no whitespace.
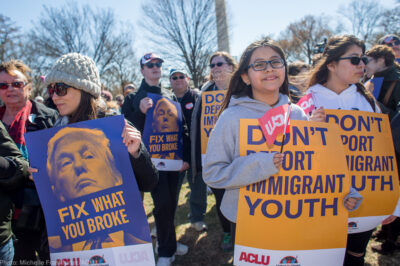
{"x":20,"y":115}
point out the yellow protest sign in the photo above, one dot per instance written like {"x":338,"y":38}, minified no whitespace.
{"x":371,"y":160}
{"x":297,"y":215}
{"x":211,"y":104}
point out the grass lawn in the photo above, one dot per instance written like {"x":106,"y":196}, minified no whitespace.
{"x":204,"y":247}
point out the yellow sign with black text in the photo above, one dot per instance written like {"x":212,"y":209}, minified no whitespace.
{"x":371,"y":160}
{"x":300,"y":209}
{"x":211,"y":105}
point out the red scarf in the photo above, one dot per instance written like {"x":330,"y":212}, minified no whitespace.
{"x":17,"y":128}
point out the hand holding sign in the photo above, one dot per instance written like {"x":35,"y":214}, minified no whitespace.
{"x":31,"y":171}
{"x":318,"y":115}
{"x":350,"y":203}
{"x":278,"y":159}
{"x":131,"y":139}
{"x":145,"y":104}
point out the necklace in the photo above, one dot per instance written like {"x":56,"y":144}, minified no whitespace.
{"x":272,"y":105}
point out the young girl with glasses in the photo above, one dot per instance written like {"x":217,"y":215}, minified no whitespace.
{"x":335,"y":84}
{"x":259,"y":84}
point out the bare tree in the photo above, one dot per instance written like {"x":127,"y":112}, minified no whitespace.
{"x":364,"y":16}
{"x":285,"y":41}
{"x":184,"y":31}
{"x":123,"y":71}
{"x":9,"y":37}
{"x":73,"y":28}
{"x":300,"y":37}
{"x":391,"y":25}
{"x":15,"y":45}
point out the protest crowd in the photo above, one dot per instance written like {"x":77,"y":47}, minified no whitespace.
{"x":341,"y":78}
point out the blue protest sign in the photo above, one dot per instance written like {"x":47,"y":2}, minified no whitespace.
{"x":89,"y":195}
{"x":162,"y":133}
{"x":375,"y":84}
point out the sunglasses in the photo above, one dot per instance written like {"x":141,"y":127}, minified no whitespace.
{"x":219,"y":64}
{"x":180,"y":77}
{"x":391,"y":44}
{"x":263,"y":65}
{"x":60,"y":89}
{"x":151,"y":65}
{"x":15,"y":84}
{"x":354,"y":60}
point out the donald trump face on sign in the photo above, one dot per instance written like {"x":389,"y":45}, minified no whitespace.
{"x":79,"y":162}
{"x":165,"y":117}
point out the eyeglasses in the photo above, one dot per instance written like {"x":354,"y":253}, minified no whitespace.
{"x":151,"y":65}
{"x":60,"y":89}
{"x":219,"y":64}
{"x":263,"y":65}
{"x":15,"y":84}
{"x":180,"y":77}
{"x":354,"y":60}
{"x":391,"y":44}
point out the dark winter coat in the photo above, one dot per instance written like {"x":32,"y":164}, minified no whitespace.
{"x":13,"y":175}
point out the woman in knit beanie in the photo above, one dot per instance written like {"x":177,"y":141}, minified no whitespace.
{"x":74,"y":86}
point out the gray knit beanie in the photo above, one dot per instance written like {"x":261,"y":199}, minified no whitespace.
{"x":78,"y":71}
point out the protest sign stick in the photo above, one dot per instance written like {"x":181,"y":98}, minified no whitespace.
{"x":283,"y":140}
{"x":314,"y":100}
{"x":315,"y":104}
{"x":287,"y":118}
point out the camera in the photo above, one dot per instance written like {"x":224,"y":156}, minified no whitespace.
{"x":319,"y":47}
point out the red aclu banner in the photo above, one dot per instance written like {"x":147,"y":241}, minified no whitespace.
{"x":275,"y":122}
{"x":307,"y":103}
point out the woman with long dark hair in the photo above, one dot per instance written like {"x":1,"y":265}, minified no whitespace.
{"x":259,"y":84}
{"x":335,"y":84}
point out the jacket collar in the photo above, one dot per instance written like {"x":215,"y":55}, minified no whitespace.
{"x":152,"y":89}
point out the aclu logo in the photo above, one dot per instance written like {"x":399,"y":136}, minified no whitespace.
{"x":97,"y":260}
{"x":353,"y":225}
{"x":68,"y":262}
{"x":254,"y":258}
{"x":160,"y":165}
{"x":289,"y":261}
{"x":274,"y":122}
{"x":307,"y":104}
